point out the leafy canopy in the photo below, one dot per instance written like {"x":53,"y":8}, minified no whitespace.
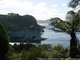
{"x":74,"y":3}
{"x":72,"y":23}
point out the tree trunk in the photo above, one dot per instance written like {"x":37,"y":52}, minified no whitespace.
{"x":73,"y":46}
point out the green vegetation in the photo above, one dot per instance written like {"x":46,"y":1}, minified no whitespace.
{"x":4,"y":43}
{"x":74,"y":3}
{"x":32,"y":52}
{"x":21,"y":28}
{"x":16,"y":22}
{"x":71,"y":26}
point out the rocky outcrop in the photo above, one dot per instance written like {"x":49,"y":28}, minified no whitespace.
{"x":21,"y":28}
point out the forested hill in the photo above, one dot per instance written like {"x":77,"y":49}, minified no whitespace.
{"x":21,"y":28}
{"x":17,"y":22}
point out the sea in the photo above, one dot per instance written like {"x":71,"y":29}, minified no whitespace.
{"x":55,"y":38}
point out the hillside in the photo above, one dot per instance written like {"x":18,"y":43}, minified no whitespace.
{"x":21,"y":28}
{"x":17,"y":22}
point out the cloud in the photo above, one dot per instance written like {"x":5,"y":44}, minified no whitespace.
{"x":40,"y":10}
{"x":16,"y":4}
{"x":64,"y":4}
{"x":55,"y":5}
{"x":40,"y":6}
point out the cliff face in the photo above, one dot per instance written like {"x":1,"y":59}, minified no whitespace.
{"x":25,"y":36}
{"x":21,"y":28}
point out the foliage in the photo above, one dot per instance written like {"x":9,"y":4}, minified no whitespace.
{"x":73,"y":22}
{"x":70,"y":26}
{"x":58,"y":52}
{"x":4,"y":43}
{"x":14,"y":22}
{"x":74,"y":3}
{"x":21,"y":28}
{"x":33,"y":53}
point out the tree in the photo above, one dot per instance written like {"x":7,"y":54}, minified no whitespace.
{"x":74,"y":3}
{"x":59,"y":52}
{"x":70,"y":26}
{"x":4,"y":44}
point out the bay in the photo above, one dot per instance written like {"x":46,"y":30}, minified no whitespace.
{"x":55,"y":38}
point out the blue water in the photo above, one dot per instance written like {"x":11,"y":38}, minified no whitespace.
{"x":55,"y":38}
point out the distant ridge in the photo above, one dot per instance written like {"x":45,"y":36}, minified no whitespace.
{"x":42,"y":21}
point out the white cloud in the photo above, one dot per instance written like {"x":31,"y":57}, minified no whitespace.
{"x":64,"y":4}
{"x":15,"y":3}
{"x":40,"y":6}
{"x":41,"y":10}
{"x":55,"y":5}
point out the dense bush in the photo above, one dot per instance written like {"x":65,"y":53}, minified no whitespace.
{"x":4,"y":43}
{"x":58,"y":52}
{"x":32,"y":52}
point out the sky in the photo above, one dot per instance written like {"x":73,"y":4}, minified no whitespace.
{"x":40,"y":9}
